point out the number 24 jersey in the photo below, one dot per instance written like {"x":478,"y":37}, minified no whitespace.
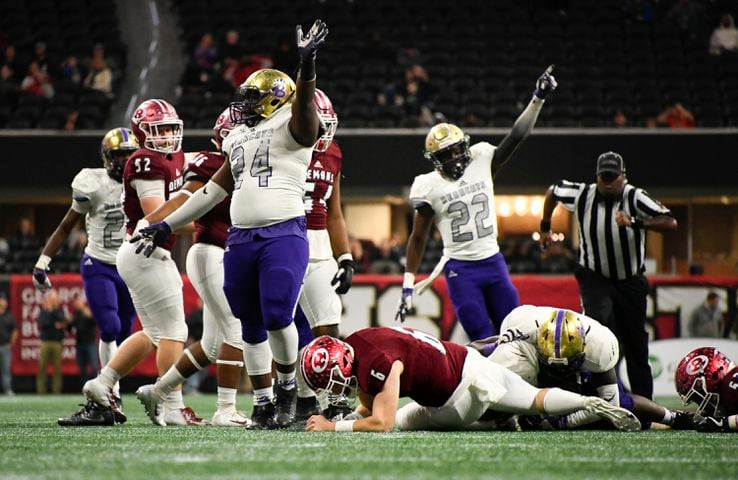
{"x":465,"y":208}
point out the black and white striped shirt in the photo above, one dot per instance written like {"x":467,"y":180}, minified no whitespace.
{"x":612,"y":251}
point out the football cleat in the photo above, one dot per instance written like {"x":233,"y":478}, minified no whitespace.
{"x":337,"y":411}
{"x":284,"y":406}
{"x":116,"y":404}
{"x":621,"y":418}
{"x":90,"y":415}
{"x":183,"y":416}
{"x":306,"y":408}
{"x":262,"y":417}
{"x":711,"y":424}
{"x":152,"y":404}
{"x":97,"y":392}
{"x":230,"y":419}
{"x":683,"y":421}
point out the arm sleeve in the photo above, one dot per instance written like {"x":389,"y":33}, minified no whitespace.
{"x":566,"y":193}
{"x":197,"y":205}
{"x":148,"y":188}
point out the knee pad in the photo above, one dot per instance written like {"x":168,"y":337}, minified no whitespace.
{"x":283,"y":343}
{"x":258,"y":358}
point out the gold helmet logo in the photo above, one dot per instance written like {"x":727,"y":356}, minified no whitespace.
{"x":116,"y":146}
{"x":561,"y":339}
{"x":262,"y":94}
{"x":447,"y":147}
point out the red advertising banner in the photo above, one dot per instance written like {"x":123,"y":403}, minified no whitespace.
{"x":372,"y":301}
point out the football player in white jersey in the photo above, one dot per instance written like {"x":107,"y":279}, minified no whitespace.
{"x":96,"y":196}
{"x":458,"y":196}
{"x":554,"y":347}
{"x":266,"y":253}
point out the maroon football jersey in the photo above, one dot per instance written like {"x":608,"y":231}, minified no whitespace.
{"x":432,"y":367}
{"x":729,"y":392}
{"x":147,"y":164}
{"x":324,"y":168}
{"x":211,"y":228}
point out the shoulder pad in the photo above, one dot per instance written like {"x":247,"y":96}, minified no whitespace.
{"x":87,"y":181}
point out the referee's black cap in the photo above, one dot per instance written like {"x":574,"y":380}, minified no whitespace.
{"x":610,"y":162}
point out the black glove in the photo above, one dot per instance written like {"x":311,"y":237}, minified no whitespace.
{"x":711,"y":424}
{"x":344,"y":276}
{"x":545,"y":84}
{"x":151,"y":237}
{"x":307,"y":47}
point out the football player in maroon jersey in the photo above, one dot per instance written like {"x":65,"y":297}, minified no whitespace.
{"x":221,"y":340}
{"x":319,"y":311}
{"x":452,"y":386}
{"x":152,"y":175}
{"x":708,"y":378}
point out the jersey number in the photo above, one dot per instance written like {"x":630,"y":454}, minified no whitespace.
{"x":260,"y":167}
{"x":145,"y":167}
{"x":111,"y":233}
{"x":734,"y":382}
{"x":309,"y":189}
{"x":460,"y":211}
{"x":423,"y":337}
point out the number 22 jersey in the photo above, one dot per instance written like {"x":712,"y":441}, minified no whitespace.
{"x":465,"y":208}
{"x":269,"y":169}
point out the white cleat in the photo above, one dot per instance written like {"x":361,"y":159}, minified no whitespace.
{"x":621,"y":418}
{"x":183,"y":416}
{"x":152,"y":404}
{"x":230,"y":419}
{"x":97,"y":392}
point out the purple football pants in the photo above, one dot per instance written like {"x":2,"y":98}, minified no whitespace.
{"x":482,"y":294}
{"x":264,"y":268}
{"x":108,"y":298}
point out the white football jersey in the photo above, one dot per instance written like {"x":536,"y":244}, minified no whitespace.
{"x":98,"y":197}
{"x":601,"y":351}
{"x":269,"y":169}
{"x":465,"y":208}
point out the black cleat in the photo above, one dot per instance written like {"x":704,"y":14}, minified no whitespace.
{"x":262,"y":417}
{"x":90,"y":415}
{"x":116,"y":403}
{"x":306,"y":408}
{"x":284,"y":406}
{"x":683,"y":421}
{"x":336,"y":412}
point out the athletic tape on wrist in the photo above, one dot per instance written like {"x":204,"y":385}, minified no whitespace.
{"x":345,"y":425}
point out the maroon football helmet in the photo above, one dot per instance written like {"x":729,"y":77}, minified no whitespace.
{"x":223,"y":127}
{"x":326,"y":365}
{"x":150,"y":118}
{"x":328,"y":120}
{"x":698,"y":378}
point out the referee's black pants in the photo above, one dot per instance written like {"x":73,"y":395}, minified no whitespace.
{"x":621,"y":306}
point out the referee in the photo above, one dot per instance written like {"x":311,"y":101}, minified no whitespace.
{"x":613,"y":218}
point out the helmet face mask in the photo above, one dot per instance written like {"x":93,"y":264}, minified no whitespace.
{"x":327,"y":364}
{"x":447,"y":147}
{"x":157,"y":126}
{"x":223,"y":127}
{"x":115,"y":148}
{"x":328,"y":120}
{"x":262,"y":94}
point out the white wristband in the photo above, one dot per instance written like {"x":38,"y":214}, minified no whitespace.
{"x":43,"y":262}
{"x":345,"y":425}
{"x":408,"y":281}
{"x":345,"y":256}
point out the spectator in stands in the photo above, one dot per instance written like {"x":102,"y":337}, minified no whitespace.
{"x":619,"y":120}
{"x":194,"y":321}
{"x":206,"y":54}
{"x":361,"y":260}
{"x":8,"y":82}
{"x":8,"y":337}
{"x":37,"y":82}
{"x":706,"y":321}
{"x":70,"y":70}
{"x":676,"y":116}
{"x":52,"y":323}
{"x":385,"y":260}
{"x":557,"y":259}
{"x":232,"y":49}
{"x":85,"y":331}
{"x":10,"y":58}
{"x":417,"y":95}
{"x":100,"y":77}
{"x":725,"y":37}
{"x":237,"y":72}
{"x":25,"y":239}
{"x":651,"y":122}
{"x":40,"y":56}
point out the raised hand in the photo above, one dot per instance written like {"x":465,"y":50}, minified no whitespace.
{"x":40,"y":278}
{"x":344,"y":276}
{"x":546,"y":83}
{"x":308,"y":44}
{"x":405,"y":305}
{"x":151,"y":237}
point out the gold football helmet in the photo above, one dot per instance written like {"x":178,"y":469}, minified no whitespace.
{"x":561,"y":341}
{"x":116,"y":146}
{"x":447,"y":147}
{"x":262,"y":94}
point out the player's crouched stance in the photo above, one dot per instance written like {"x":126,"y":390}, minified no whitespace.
{"x":452,"y":386}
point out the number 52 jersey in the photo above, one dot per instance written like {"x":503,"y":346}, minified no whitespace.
{"x":465,"y":208}
{"x":98,"y":197}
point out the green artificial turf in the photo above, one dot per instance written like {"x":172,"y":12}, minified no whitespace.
{"x":33,"y":446}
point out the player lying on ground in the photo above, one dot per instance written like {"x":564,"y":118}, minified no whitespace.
{"x":452,"y":386}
